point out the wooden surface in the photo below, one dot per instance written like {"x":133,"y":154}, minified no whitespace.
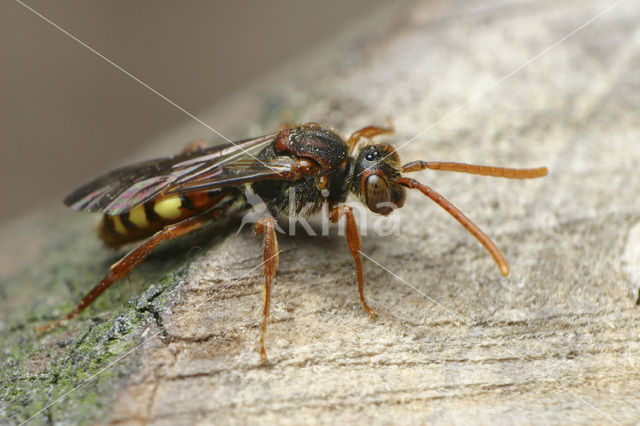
{"x":557,"y":341}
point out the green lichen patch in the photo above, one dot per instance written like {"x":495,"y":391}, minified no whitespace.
{"x":79,"y":366}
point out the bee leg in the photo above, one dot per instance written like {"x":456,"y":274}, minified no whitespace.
{"x":132,"y":259}
{"x":366,"y":132}
{"x":287,"y":124}
{"x":353,"y":240}
{"x":196,"y":145}
{"x":266,"y":226}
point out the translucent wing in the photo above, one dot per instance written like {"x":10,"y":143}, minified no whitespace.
{"x":122,"y":189}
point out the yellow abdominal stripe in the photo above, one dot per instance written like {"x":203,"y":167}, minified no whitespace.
{"x":168,"y":208}
{"x":118,"y":226}
{"x":138,"y":217}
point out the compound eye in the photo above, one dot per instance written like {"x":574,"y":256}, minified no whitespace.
{"x":378,"y":195}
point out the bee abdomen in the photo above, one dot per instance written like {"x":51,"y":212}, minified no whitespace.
{"x":146,"y":219}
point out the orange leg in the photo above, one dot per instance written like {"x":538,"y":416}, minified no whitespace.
{"x":353,"y":240}
{"x":291,"y":125}
{"x":366,"y":132}
{"x":287,"y":125}
{"x":266,"y":226}
{"x":196,"y":145}
{"x":132,"y":259}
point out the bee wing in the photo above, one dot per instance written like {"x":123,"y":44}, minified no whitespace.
{"x":122,"y":189}
{"x":234,"y":173}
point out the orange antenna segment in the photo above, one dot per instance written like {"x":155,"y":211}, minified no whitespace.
{"x":460,"y":217}
{"x":475,"y":169}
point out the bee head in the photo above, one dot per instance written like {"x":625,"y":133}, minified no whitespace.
{"x":374,"y":175}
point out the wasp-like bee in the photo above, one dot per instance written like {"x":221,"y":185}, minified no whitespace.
{"x":166,"y":198}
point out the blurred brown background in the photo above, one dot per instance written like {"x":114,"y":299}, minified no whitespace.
{"x":66,"y":114}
